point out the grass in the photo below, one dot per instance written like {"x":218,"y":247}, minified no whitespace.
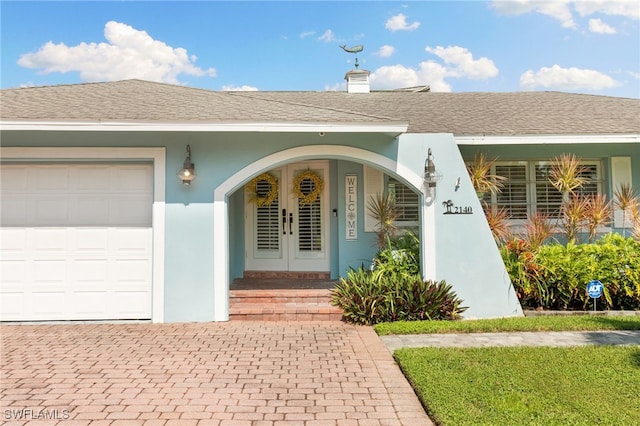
{"x":541,"y":323}
{"x":526,"y":385}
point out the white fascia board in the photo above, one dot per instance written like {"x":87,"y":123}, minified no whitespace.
{"x":548,"y":139}
{"x":392,"y":128}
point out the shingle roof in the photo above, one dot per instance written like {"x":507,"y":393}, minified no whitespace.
{"x":519,"y":113}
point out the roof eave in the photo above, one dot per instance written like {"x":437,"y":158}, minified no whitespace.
{"x":604,"y":138}
{"x":390,"y":128}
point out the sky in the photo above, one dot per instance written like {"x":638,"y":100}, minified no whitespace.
{"x":584,"y":46}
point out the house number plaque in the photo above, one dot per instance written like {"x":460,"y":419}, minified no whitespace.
{"x":451,"y":208}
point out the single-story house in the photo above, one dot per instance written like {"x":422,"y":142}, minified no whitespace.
{"x":142,"y":200}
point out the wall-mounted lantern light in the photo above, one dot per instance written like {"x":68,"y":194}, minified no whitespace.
{"x":188,"y":171}
{"x":431,"y":175}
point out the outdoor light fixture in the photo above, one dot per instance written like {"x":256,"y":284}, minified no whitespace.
{"x":188,"y":171}
{"x":431,"y":175}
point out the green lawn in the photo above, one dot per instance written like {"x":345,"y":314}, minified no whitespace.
{"x":541,"y":323}
{"x":594,"y":385}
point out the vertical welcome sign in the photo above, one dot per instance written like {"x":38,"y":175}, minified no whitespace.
{"x":351,"y":206}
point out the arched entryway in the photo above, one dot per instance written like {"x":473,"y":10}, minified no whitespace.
{"x":284,"y":160}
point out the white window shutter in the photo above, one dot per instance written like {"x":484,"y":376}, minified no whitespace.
{"x":620,"y":174}
{"x":373,"y":184}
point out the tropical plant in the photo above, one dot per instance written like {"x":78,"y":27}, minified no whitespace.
{"x":566,"y":173}
{"x":393,"y":289}
{"x":498,"y":220}
{"x":382,"y":207}
{"x":625,"y":199}
{"x":598,"y":213}
{"x":482,"y":179}
{"x":537,"y":230}
{"x":574,"y":216}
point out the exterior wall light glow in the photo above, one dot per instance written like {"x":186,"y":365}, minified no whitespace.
{"x":188,"y":171}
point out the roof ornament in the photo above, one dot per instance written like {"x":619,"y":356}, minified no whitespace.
{"x":354,"y":49}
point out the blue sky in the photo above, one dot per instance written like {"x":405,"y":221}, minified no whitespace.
{"x":453,"y":46}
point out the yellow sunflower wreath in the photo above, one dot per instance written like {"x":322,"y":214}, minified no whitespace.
{"x":257,"y":195}
{"x":301,"y":190}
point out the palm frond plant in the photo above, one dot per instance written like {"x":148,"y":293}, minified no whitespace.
{"x":598,"y":213}
{"x":382,"y":207}
{"x":483,"y":180}
{"x":624,"y":199}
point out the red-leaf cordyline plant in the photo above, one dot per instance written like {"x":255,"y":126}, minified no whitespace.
{"x":566,"y":174}
{"x":598,"y":213}
{"x":537,"y":229}
{"x":574,"y":216}
{"x":625,"y":199}
{"x":481,"y":177}
{"x":498,"y":220}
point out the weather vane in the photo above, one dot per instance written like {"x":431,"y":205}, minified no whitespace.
{"x":354,"y":49}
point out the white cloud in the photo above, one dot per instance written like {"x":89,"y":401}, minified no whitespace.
{"x":385,"y":51}
{"x":458,"y":63}
{"x":399,"y":23}
{"x":128,"y":53}
{"x":625,"y":8}
{"x":559,"y":78}
{"x":556,"y":9}
{"x":563,"y":10}
{"x":462,"y":64}
{"x":597,"y":26}
{"x":327,"y":37}
{"x":307,"y":34}
{"x":244,"y":88}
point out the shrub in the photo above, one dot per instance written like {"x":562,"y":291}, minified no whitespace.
{"x":393,"y":289}
{"x":555,"y":276}
{"x":367,"y":298}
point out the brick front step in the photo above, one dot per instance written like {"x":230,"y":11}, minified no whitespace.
{"x":282,"y":304}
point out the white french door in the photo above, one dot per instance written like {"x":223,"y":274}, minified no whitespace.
{"x":289,"y":234}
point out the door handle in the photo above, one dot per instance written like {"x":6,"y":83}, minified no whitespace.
{"x":284,"y":221}
{"x":290,"y":223}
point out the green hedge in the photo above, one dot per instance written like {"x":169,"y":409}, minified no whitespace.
{"x":555,"y":276}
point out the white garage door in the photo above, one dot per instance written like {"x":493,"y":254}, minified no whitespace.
{"x":76,"y":241}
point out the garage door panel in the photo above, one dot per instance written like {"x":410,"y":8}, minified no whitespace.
{"x":50,"y":178}
{"x":89,"y":211}
{"x":84,"y":248}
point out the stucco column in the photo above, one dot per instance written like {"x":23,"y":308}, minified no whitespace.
{"x":220,"y":260}
{"x":428,"y":235}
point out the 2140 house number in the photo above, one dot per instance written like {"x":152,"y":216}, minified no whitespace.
{"x":451,"y":208}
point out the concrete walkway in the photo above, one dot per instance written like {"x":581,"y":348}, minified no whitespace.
{"x":235,"y":373}
{"x":475,"y":340}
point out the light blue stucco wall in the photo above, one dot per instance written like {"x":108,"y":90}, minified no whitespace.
{"x":466,"y":255}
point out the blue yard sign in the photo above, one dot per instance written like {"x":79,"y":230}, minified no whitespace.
{"x":594,"y":288}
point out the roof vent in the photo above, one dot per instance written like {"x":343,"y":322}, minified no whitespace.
{"x":357,"y":81}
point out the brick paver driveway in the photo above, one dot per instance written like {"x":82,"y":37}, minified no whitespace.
{"x":235,"y":373}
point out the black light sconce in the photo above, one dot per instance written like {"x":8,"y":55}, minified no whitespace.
{"x":188,"y":171}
